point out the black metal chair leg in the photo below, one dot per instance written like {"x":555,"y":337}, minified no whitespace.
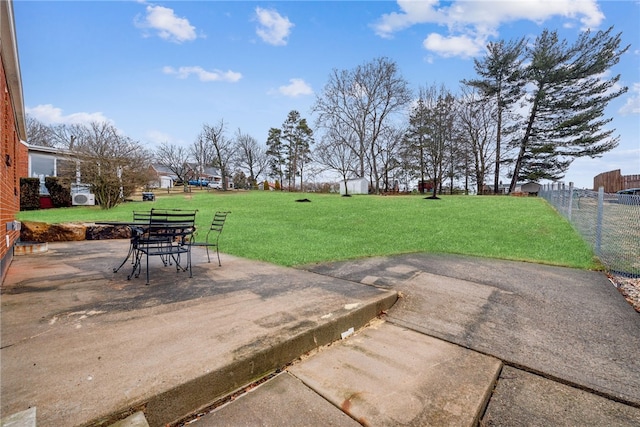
{"x":136,"y":266}
{"x":116,"y":269}
{"x":147,"y":270}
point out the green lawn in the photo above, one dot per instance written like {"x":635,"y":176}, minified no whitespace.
{"x":274,"y":227}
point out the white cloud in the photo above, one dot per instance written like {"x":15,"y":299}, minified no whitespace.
{"x":413,"y":12}
{"x":295,"y":88}
{"x":472,"y":22}
{"x":633,"y":101}
{"x":494,"y":13}
{"x":203,"y":75}
{"x":462,"y":46}
{"x":273,"y":28}
{"x":167,"y":24}
{"x":50,"y":115}
{"x":158,"y":137}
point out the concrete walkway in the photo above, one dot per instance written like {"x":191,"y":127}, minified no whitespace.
{"x":469,"y":341}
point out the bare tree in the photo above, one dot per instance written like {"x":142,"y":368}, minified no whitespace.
{"x":214,"y":138}
{"x":202,"y":152}
{"x":388,"y":151}
{"x":476,"y":130}
{"x":113,"y":164}
{"x":59,"y":136}
{"x":175,"y":158}
{"x":250,"y":156}
{"x":66,"y":135}
{"x":335,"y":152}
{"x":363,"y":100}
{"x":38,"y":133}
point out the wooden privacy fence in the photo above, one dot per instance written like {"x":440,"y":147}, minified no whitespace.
{"x":613,"y":181}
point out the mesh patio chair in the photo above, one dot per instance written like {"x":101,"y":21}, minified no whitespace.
{"x":213,"y":235}
{"x":166,"y":235}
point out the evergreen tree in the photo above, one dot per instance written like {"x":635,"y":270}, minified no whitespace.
{"x":304,"y":140}
{"x":296,"y":139}
{"x":500,"y":82}
{"x":275,"y":153}
{"x":569,"y":93}
{"x":415,"y":138}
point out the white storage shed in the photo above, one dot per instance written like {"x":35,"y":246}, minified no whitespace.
{"x":355,"y":186}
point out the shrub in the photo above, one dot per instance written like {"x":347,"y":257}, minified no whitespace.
{"x":29,"y":194}
{"x":277,"y":186}
{"x":59,"y":190}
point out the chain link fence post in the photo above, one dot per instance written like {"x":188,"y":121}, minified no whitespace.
{"x":598,"y":243}
{"x":570,"y":208}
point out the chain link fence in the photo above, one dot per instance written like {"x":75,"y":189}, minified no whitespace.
{"x":610,"y":223}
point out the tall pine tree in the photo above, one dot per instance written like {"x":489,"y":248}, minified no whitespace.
{"x":296,"y":136}
{"x":500,"y":82}
{"x":275,"y":153}
{"x":570,"y":90}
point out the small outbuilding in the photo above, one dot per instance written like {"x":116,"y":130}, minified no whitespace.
{"x":531,"y":188}
{"x":355,"y":186}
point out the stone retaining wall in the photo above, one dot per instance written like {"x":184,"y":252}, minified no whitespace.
{"x":68,"y":232}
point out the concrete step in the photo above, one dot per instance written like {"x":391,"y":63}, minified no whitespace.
{"x":384,"y":375}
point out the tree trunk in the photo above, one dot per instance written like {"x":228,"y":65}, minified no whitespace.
{"x":496,"y":176}
{"x":524,"y":142}
{"x":374,"y":170}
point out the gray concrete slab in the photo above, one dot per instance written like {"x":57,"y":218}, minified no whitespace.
{"x":134,"y":420}
{"x":282,"y":401}
{"x":524,"y":399}
{"x":84,"y":345}
{"x":391,"y":376}
{"x":568,"y":324}
{"x":26,"y":418}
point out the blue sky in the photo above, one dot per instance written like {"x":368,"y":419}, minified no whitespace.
{"x":159,"y":70}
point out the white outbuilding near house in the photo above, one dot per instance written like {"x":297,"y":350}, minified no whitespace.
{"x":166,"y":181}
{"x":355,"y":186}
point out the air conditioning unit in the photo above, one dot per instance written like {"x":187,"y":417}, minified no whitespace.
{"x":83,"y":199}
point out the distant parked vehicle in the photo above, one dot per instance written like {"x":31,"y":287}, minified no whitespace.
{"x":216,"y":184}
{"x":634,"y":191}
{"x":199,"y":182}
{"x":630,"y":196}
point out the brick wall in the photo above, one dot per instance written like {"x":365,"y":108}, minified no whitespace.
{"x":13,"y":165}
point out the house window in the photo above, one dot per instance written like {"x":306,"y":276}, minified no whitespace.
{"x":41,"y":167}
